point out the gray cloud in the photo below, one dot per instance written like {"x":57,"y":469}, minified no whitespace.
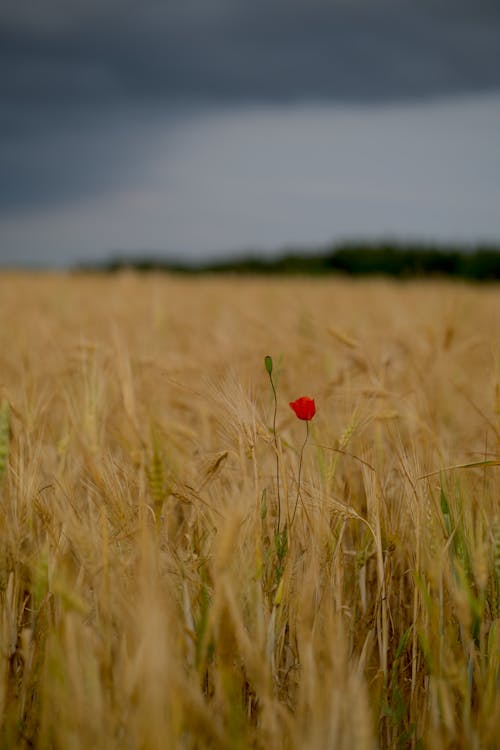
{"x":263,"y":177}
{"x":58,"y":159}
{"x":89,"y":53}
{"x":79,"y":77}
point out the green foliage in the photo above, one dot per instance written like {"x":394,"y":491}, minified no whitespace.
{"x":389,"y":259}
{"x":400,"y":261}
{"x":281,"y":546}
{"x":396,"y":708}
{"x":263,"y":505}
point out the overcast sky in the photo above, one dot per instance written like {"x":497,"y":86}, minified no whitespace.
{"x":191,"y":128}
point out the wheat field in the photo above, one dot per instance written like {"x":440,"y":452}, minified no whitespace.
{"x":167,"y":582}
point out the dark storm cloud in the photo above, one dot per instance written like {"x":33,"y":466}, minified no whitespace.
{"x":69,"y":67}
{"x":81,"y":53}
{"x":70,"y":158}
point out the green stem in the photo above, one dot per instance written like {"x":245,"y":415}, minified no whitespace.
{"x":277,"y":455}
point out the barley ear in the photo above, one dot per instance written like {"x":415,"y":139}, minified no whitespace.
{"x":156,"y":472}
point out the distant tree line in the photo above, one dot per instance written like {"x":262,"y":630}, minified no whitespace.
{"x":481,"y":264}
{"x":400,"y":261}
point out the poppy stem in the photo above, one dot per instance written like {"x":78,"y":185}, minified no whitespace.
{"x":300,"y":472}
{"x":277,"y":455}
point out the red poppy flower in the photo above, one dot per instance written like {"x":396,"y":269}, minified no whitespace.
{"x":304,"y":407}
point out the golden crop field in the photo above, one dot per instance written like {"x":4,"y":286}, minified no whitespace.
{"x":165,"y":579}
